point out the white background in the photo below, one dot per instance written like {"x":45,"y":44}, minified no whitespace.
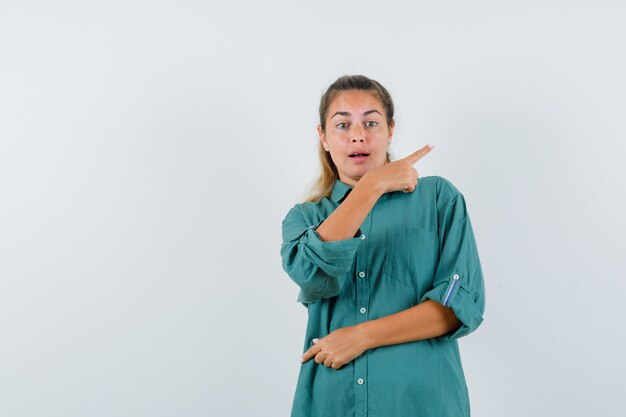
{"x":149,"y":151}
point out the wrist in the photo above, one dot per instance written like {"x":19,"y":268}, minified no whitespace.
{"x":366,"y":337}
{"x":371,"y":184}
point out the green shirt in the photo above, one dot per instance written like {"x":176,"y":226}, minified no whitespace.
{"x":411,"y":247}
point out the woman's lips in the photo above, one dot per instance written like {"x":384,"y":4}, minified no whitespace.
{"x":359,"y":158}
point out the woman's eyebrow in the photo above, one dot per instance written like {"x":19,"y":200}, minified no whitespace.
{"x":345,"y":113}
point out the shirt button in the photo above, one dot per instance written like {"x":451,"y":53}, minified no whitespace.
{"x":361,"y":274}
{"x":362,"y":236}
{"x":360,"y":381}
{"x":363,"y":310}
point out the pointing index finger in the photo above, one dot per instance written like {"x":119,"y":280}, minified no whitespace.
{"x":417,"y":155}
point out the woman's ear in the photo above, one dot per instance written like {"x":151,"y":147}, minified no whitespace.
{"x":393,"y":126}
{"x":322,"y":136}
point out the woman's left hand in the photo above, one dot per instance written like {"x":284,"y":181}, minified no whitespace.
{"x":337,"y":348}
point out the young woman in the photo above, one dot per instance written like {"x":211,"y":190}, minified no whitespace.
{"x":387,"y":267}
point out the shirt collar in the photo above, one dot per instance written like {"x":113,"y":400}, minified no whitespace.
{"x":340,"y":191}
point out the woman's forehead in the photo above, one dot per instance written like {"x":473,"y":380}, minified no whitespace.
{"x":355,"y":102}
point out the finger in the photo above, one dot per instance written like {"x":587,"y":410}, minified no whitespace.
{"x":419,"y":154}
{"x":320,"y":357}
{"x":313,"y":350}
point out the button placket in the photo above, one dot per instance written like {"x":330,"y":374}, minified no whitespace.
{"x":362,"y":303}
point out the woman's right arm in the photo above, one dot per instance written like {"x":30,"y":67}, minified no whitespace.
{"x":345,"y":220}
{"x":317,"y":257}
{"x":319,"y":262}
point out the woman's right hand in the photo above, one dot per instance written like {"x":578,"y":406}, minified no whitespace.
{"x":398,"y":175}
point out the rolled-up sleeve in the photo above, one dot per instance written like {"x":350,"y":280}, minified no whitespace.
{"x":319,"y":268}
{"x":458,"y":282}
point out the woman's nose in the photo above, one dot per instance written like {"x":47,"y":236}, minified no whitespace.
{"x":358,"y":135}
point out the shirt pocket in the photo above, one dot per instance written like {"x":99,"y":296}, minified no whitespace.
{"x":410,"y":255}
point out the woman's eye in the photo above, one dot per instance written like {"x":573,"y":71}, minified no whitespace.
{"x":369,"y":124}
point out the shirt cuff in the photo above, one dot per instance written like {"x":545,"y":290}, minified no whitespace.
{"x":335,"y":256}
{"x":461,"y":302}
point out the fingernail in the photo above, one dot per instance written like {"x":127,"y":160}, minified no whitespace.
{"x":315,"y":340}
{"x":301,"y":359}
{"x":430,"y":145}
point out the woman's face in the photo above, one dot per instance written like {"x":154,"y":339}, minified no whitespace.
{"x":356,"y":123}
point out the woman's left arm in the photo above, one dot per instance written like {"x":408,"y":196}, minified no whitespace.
{"x":453,"y":307}
{"x":423,"y":321}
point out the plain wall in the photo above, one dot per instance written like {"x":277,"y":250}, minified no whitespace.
{"x":150,"y":150}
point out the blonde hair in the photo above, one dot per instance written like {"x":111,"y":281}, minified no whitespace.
{"x":328,"y":170}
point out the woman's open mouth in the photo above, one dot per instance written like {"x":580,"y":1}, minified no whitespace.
{"x":358,"y":157}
